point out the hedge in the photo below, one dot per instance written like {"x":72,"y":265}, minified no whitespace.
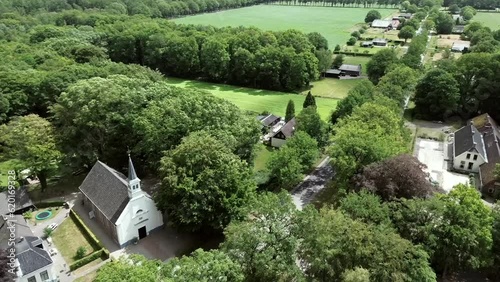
{"x":88,"y":259}
{"x":353,"y":53}
{"x":42,"y":205}
{"x":96,"y":244}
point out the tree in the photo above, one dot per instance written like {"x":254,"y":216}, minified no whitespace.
{"x":265,"y":241}
{"x":407,"y":32}
{"x":207,"y":182}
{"x":436,"y":95}
{"x":5,"y":269}
{"x":318,"y":41}
{"x":309,"y":101}
{"x":398,"y":84}
{"x":80,"y":252}
{"x":214,"y":59}
{"x":385,"y":178}
{"x":324,"y":59}
{"x":203,"y":266}
{"x":465,"y":238}
{"x":333,"y":244}
{"x":356,"y":34}
{"x":366,"y":207}
{"x":351,"y":41}
{"x":285,"y":168}
{"x":337,"y":48}
{"x":379,"y":64}
{"x":372,"y":15}
{"x":428,"y":24}
{"x":306,"y":147}
{"x":309,"y":121}
{"x":31,"y":140}
{"x":130,"y":268}
{"x":495,"y":234}
{"x":454,"y":9}
{"x":444,"y":23}
{"x":468,"y":12}
{"x":338,"y":60}
{"x":290,"y":110}
{"x":357,"y":96}
{"x":358,"y":274}
{"x":47,"y":232}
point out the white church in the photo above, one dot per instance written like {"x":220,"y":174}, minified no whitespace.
{"x":118,"y":203}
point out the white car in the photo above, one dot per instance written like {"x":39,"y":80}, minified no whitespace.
{"x":53,"y":226}
{"x":53,"y":252}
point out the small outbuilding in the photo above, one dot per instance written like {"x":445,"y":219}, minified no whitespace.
{"x":460,"y":46}
{"x":458,"y":29}
{"x":366,"y":44}
{"x":405,"y":15}
{"x":332,"y":73}
{"x":387,"y":24}
{"x":351,"y":70}
{"x":379,"y":42}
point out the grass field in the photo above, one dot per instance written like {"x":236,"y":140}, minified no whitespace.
{"x":332,"y":87}
{"x":333,"y":23}
{"x":491,"y":20}
{"x":68,"y":238}
{"x":256,"y":100}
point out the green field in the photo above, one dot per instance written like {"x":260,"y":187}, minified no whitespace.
{"x":332,"y":87}
{"x":491,"y":20}
{"x":333,"y":23}
{"x":256,"y":100}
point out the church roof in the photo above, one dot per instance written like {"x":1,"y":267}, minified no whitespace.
{"x":107,"y":189}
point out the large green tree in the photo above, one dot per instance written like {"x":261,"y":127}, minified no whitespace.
{"x":309,"y":121}
{"x":436,"y":95}
{"x":285,"y":168}
{"x":265,"y":241}
{"x":398,"y":84}
{"x":214,"y":59}
{"x":306,"y":147}
{"x":203,"y":183}
{"x":407,"y":32}
{"x":31,"y":140}
{"x":380,"y":63}
{"x":357,"y":96}
{"x":290,"y":111}
{"x":372,"y":15}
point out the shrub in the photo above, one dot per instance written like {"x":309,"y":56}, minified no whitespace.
{"x":361,"y":30}
{"x":80,"y":252}
{"x":337,"y":48}
{"x":90,"y":258}
{"x":356,"y":34}
{"x":351,"y":41}
{"x":27,"y":215}
{"x":47,"y":232}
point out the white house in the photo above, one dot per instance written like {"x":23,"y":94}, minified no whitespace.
{"x":281,"y":135}
{"x":469,"y":151}
{"x":119,"y":204}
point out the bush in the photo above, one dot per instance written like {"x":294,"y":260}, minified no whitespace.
{"x":52,"y":204}
{"x":88,"y":259}
{"x":356,"y":34}
{"x":80,"y":252}
{"x":86,"y":232}
{"x":27,"y":215}
{"x":47,"y":232}
{"x":351,"y":41}
{"x":337,"y":48}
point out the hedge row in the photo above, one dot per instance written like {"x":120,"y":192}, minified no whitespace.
{"x":42,"y":205}
{"x":96,"y":244}
{"x":102,"y":253}
{"x":353,"y":53}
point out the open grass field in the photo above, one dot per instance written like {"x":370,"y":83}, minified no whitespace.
{"x":332,"y":87}
{"x":334,"y":23}
{"x":67,"y":238}
{"x":491,"y":20}
{"x":256,"y":100}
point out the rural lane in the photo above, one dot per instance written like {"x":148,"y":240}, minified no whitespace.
{"x":312,"y":184}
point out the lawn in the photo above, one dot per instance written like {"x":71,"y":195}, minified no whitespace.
{"x":333,"y":87}
{"x":263,"y":153}
{"x":334,"y":23}
{"x":491,"y":20}
{"x":256,"y":100}
{"x":68,"y":238}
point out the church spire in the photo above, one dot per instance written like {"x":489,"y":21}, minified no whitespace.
{"x":134,"y":183}
{"x":131,"y":170}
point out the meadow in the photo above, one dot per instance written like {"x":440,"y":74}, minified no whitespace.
{"x":491,"y":20}
{"x":334,"y":23}
{"x":256,"y":100}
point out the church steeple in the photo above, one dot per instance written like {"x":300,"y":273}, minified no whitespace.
{"x":134,"y":183}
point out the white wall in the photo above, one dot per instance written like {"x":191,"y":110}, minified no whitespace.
{"x":463,"y":157}
{"x":129,"y":221}
{"x":276,"y":142}
{"x":37,"y":274}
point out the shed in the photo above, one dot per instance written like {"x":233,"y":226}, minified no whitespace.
{"x":366,"y":44}
{"x":379,"y":42}
{"x":460,"y":46}
{"x":351,"y":70}
{"x":382,"y":24}
{"x":405,"y":15}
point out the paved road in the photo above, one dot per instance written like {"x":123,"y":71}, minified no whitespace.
{"x":312,"y":184}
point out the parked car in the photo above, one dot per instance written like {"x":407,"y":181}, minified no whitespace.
{"x":53,"y":226}
{"x":53,"y":252}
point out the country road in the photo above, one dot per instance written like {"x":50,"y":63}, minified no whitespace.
{"x":312,"y":184}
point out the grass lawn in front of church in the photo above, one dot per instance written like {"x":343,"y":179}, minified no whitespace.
{"x":68,"y":238}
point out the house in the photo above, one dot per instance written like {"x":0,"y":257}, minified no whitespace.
{"x":460,"y":46}
{"x":491,"y":135}
{"x":366,"y":44}
{"x":32,"y":262}
{"x":268,"y":121}
{"x":332,"y":73}
{"x":122,"y":208}
{"x":458,"y":18}
{"x":387,"y":24}
{"x":279,"y":137}
{"x":395,"y":23}
{"x":21,"y":199}
{"x":379,"y":42}
{"x":469,"y":152}
{"x":351,"y":70}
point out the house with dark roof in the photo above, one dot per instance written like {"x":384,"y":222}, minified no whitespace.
{"x":351,"y":70}
{"x":281,"y":135}
{"x":117,"y":202}
{"x":21,"y":199}
{"x":32,"y":262}
{"x":268,"y":121}
{"x":469,"y":152}
{"x":379,"y":42}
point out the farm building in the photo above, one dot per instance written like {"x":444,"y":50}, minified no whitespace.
{"x":351,"y":70}
{"x":121,"y":207}
{"x":458,"y":29}
{"x":281,"y":135}
{"x":405,"y":15}
{"x":382,"y":24}
{"x":476,"y":148}
{"x":366,"y":44}
{"x":460,"y":46}
{"x":379,"y":42}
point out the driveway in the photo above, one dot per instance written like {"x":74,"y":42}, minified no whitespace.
{"x":434,"y":154}
{"x":312,"y":184}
